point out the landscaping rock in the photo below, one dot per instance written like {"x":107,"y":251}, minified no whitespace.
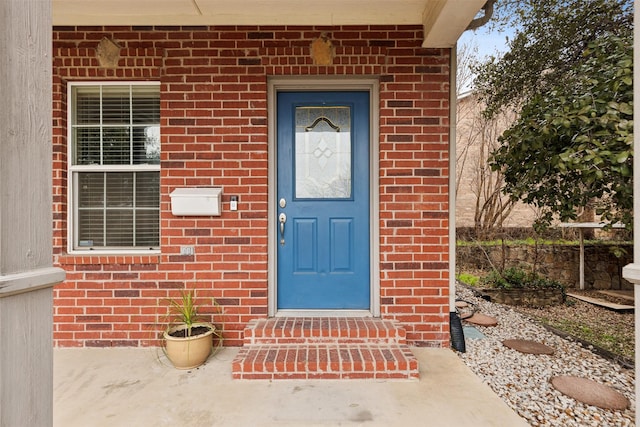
{"x":523,"y":380}
{"x":528,"y":346}
{"x":482,"y":320}
{"x":590,"y":392}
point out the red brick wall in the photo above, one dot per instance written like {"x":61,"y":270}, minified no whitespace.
{"x":214,"y":133}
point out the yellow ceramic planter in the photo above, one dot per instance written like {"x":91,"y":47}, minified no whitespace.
{"x":189,"y":352}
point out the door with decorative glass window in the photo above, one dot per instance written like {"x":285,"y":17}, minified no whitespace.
{"x":323,"y":201}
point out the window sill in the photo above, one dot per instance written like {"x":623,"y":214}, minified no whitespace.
{"x":108,"y":257}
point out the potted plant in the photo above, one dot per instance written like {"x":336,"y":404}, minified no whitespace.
{"x":188,"y":339}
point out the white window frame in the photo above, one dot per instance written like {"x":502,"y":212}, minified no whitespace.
{"x":72,"y":170}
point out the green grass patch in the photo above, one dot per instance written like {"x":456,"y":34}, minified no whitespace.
{"x":617,"y":343}
{"x":469,"y":279}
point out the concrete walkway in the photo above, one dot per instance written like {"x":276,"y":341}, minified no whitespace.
{"x":138,"y":387}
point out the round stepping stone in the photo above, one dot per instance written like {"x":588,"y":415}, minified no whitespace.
{"x":482,"y":320}
{"x":529,"y":347}
{"x":462,"y":304}
{"x":590,"y":392}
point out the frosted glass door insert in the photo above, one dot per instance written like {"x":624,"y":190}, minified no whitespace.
{"x":323,"y":152}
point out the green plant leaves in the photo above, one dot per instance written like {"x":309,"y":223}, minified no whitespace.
{"x":517,"y":278}
{"x":572,"y":146}
{"x":184,"y":310}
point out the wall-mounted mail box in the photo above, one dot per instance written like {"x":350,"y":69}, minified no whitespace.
{"x":196,"y":201}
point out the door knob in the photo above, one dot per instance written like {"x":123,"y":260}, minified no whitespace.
{"x":282,"y":219}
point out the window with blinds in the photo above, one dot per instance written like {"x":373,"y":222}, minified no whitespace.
{"x":115,"y":166}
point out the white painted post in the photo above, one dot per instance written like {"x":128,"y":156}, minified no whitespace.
{"x":631,"y":272}
{"x":26,"y":272}
{"x":581,"y":258}
{"x":453,"y":99}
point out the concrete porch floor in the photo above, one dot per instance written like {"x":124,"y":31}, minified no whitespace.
{"x":138,"y":387}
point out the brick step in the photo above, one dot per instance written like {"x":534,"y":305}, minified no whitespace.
{"x":324,"y":348}
{"x":325,"y":361}
{"x":311,"y":330}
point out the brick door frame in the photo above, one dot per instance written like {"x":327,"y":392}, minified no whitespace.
{"x":303,"y":83}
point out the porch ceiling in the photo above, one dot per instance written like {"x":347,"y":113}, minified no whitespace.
{"x":443,"y":20}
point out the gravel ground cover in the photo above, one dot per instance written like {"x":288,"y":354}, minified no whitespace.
{"x":523,"y":380}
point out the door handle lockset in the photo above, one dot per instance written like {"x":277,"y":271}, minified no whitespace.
{"x":282,"y":218}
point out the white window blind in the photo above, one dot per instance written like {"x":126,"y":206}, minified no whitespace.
{"x":115,"y":166}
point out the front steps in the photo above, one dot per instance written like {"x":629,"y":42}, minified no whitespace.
{"x":324,"y":348}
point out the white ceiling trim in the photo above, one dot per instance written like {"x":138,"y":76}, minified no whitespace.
{"x":443,"y":20}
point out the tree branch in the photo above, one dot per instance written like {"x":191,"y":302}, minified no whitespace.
{"x":488,"y":13}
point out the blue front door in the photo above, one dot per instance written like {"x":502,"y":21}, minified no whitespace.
{"x":323,"y":224}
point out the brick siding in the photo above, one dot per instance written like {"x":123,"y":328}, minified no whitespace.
{"x":214,"y":133}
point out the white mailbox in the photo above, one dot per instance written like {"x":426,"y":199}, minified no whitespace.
{"x":196,"y":201}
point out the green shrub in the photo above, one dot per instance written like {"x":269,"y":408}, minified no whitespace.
{"x":517,"y":278}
